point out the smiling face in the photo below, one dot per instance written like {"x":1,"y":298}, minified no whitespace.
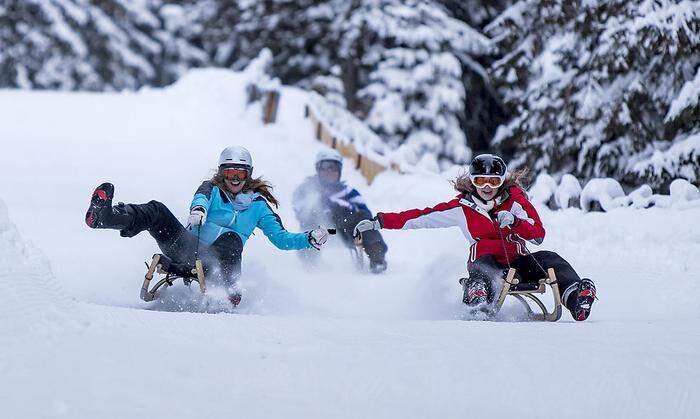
{"x":487,"y":193}
{"x":235,"y":177}
{"x":234,"y":185}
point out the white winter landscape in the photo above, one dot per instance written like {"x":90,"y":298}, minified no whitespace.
{"x":77,"y":342}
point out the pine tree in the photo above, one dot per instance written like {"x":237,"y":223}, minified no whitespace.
{"x":296,"y":31}
{"x":401,"y":65}
{"x":87,"y":45}
{"x":404,"y":60}
{"x":476,"y":13}
{"x":39,"y":48}
{"x":591,"y":84}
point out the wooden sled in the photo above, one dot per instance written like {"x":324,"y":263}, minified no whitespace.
{"x":161,"y":264}
{"x":528,"y":290}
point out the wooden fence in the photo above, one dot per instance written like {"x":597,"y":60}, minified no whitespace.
{"x":270,"y":102}
{"x":367,"y":167}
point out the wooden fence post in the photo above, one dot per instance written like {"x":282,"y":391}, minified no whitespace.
{"x":272,"y":99}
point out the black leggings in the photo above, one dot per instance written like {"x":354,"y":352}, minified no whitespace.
{"x":345,"y":221}
{"x":492,"y":273}
{"x":221,"y":259}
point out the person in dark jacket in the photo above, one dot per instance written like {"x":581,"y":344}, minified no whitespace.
{"x":497,"y":220}
{"x":223,"y":214}
{"x":323,"y":199}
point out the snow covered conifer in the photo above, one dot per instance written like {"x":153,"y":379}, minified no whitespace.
{"x":295,"y":31}
{"x":408,"y":64}
{"x":29,"y":30}
{"x":601,"y":88}
{"x":79,"y":44}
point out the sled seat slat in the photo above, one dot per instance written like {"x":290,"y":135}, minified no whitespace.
{"x":527,"y":287}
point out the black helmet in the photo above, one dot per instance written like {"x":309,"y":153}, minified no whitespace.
{"x":488,"y":165}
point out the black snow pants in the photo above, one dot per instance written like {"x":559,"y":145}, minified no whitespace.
{"x":492,"y":273}
{"x":345,"y":221}
{"x":221,"y":259}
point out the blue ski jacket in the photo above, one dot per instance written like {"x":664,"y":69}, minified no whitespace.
{"x":313,"y":198}
{"x":241,"y":214}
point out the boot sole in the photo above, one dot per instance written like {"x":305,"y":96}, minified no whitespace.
{"x":586,"y":300}
{"x":235,"y":299}
{"x":101,"y":198}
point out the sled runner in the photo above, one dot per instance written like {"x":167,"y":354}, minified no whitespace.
{"x":357,"y":253}
{"x":163,"y":265}
{"x":528,"y":290}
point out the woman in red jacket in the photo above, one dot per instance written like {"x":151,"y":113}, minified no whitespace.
{"x":497,"y":219}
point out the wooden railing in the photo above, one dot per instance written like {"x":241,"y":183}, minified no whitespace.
{"x":270,"y":100}
{"x":368,"y":167}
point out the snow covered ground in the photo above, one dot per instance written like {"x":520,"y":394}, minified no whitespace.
{"x":77,"y":342}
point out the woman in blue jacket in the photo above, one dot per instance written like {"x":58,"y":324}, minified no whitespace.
{"x":223,"y":214}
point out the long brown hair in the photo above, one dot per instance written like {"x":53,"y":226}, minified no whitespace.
{"x":258,"y":184}
{"x":464,"y":185}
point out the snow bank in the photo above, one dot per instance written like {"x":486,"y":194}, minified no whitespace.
{"x":542,"y":191}
{"x":207,"y":84}
{"x":297,"y":331}
{"x":568,"y":192}
{"x":603,"y":192}
{"x":30,"y":296}
{"x":607,"y":194}
{"x":642,"y":197}
{"x":683,"y":191}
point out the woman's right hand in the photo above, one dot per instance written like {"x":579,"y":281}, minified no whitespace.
{"x":366,"y":225}
{"x":318,"y":237}
{"x":198,"y":215}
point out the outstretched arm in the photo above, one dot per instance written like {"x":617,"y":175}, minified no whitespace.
{"x":271,"y":224}
{"x":445,"y":214}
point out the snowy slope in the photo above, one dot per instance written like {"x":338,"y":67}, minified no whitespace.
{"x":77,"y":341}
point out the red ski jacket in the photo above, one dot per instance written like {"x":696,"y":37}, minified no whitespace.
{"x":477,"y":224}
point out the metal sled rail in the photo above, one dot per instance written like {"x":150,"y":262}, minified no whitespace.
{"x":156,"y":266}
{"x":523,"y":291}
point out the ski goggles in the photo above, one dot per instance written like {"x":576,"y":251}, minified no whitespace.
{"x":236,"y":174}
{"x":483,"y":181}
{"x":328,"y":166}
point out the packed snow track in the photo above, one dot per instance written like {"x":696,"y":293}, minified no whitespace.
{"x":76,"y":341}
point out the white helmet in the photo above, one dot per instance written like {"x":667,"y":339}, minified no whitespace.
{"x":329,"y":154}
{"x":236,"y":155}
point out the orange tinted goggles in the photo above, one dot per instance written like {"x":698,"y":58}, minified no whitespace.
{"x":482,"y":181}
{"x":235,"y":173}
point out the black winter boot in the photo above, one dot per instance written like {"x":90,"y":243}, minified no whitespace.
{"x":101,"y":213}
{"x":377,"y":257}
{"x":580,"y":302}
{"x":100,"y":206}
{"x":475,"y":294}
{"x":235,"y":298}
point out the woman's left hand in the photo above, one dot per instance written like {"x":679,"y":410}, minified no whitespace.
{"x":318,"y":237}
{"x":505,"y":219}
